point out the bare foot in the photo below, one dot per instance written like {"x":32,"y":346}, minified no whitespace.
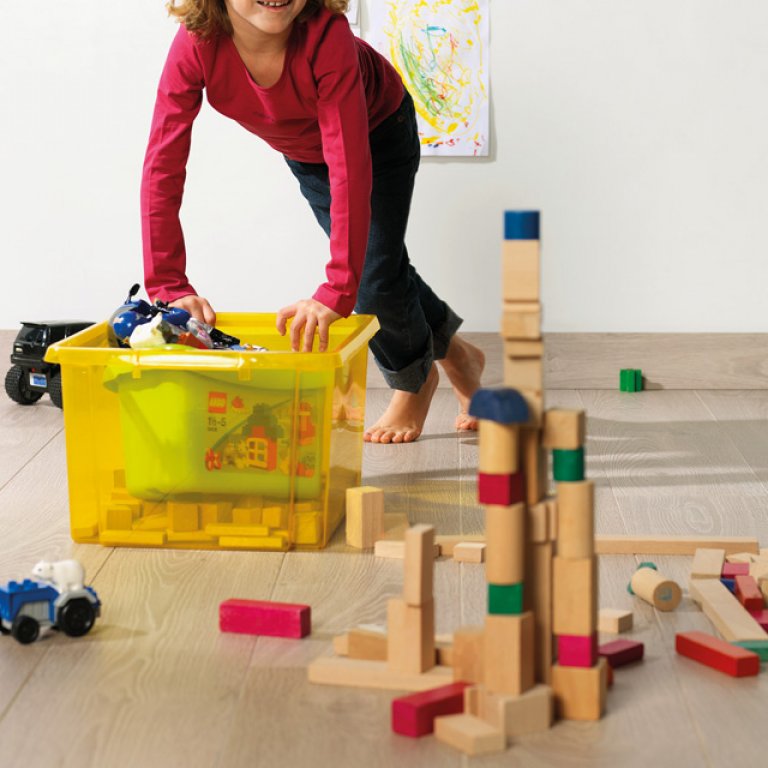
{"x":464,"y":365}
{"x":406,"y":413}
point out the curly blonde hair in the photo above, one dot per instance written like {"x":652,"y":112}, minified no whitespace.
{"x":209,"y":18}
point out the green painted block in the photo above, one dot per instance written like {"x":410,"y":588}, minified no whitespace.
{"x":631,"y":380}
{"x":760,"y":647}
{"x":568,"y":465}
{"x":505,"y":599}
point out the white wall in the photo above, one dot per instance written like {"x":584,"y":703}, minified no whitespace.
{"x":638,"y":127}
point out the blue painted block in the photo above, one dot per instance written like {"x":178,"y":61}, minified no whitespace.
{"x":521,"y":225}
{"x":730,"y":583}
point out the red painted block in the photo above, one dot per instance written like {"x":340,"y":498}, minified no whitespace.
{"x":415,"y":715}
{"x":734,"y":569}
{"x":621,"y":652}
{"x":716,"y":653}
{"x":609,"y":675}
{"x":503,"y":490}
{"x":577,"y":650}
{"x":749,"y":593}
{"x":761,"y":617}
{"x":264,"y":617}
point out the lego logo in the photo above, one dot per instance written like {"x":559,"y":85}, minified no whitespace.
{"x":217,"y":402}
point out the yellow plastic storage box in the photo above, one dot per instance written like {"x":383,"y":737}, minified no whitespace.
{"x":185,"y":448}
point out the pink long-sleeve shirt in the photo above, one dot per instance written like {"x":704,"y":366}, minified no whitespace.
{"x":334,"y":90}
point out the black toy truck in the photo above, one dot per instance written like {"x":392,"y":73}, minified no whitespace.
{"x":30,"y":377}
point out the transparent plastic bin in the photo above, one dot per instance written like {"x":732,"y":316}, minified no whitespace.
{"x":185,"y":448}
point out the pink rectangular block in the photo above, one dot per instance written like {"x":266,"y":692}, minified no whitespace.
{"x":734,"y":569}
{"x":264,"y":617}
{"x":503,"y":490}
{"x":716,"y":653}
{"x":621,"y":652}
{"x":577,"y":650}
{"x":415,"y":715}
{"x":748,"y":593}
{"x":761,"y":617}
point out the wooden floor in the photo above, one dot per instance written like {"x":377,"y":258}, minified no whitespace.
{"x":157,"y":684}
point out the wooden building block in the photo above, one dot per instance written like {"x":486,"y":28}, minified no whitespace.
{"x":509,"y":653}
{"x":577,"y":650}
{"x":759,"y":570}
{"x":574,"y":596}
{"x":499,"y":449}
{"x":580,"y":692}
{"x":414,"y":715}
{"x":760,"y":647}
{"x":360,"y":673}
{"x":366,"y":644}
{"x":469,"y":552}
{"x":265,"y":617}
{"x":568,"y":465}
{"x":761,"y":617}
{"x":534,"y":399}
{"x":505,"y":547}
{"x":395,"y":550}
{"x":341,"y":645}
{"x":742,"y":557}
{"x":614,"y":621}
{"x":365,"y":516}
{"x":469,"y":734}
{"x":534,"y":462}
{"x":520,"y":269}
{"x":419,"y":564}
{"x":182,"y":517}
{"x":730,"y":617}
{"x":538,"y":522}
{"x":668,"y":545}
{"x":530,"y":712}
{"x":410,"y":636}
{"x":523,"y":348}
{"x":707,"y":563}
{"x":662,"y":593}
{"x":748,"y":593}
{"x":505,"y":599}
{"x":446,"y":543}
{"x":563,"y":429}
{"x":731,"y":570}
{"x":552,"y":509}
{"x":468,"y":654}
{"x":620,"y":652}
{"x":538,"y":598}
{"x":500,"y":489}
{"x":716,"y":653}
{"x":576,"y":519}
{"x":521,"y":320}
{"x":524,"y":373}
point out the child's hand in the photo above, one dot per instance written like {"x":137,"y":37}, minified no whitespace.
{"x":197,"y":306}
{"x":308,"y":315}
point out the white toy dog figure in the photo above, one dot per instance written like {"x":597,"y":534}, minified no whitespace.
{"x":65,"y":575}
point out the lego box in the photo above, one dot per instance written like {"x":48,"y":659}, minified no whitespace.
{"x":208,"y":449}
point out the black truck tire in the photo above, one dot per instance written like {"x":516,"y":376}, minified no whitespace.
{"x":17,"y":388}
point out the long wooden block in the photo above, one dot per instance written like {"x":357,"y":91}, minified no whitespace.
{"x":499,"y":450}
{"x":707,"y":563}
{"x":564,"y":429}
{"x":359,"y":673}
{"x":520,"y":269}
{"x":395,"y":550}
{"x":729,"y":616}
{"x":524,"y":373}
{"x":505,"y":545}
{"x":580,"y":692}
{"x":614,"y":621}
{"x":509,"y":653}
{"x":419,"y":564}
{"x":446,"y":543}
{"x":538,"y":522}
{"x":469,"y":734}
{"x":538,"y":598}
{"x":669,"y":545}
{"x":468,"y":654}
{"x":620,"y":652}
{"x":533,"y":459}
{"x":365,"y":516}
{"x":469,"y":552}
{"x":574,"y":596}
{"x":521,"y":320}
{"x":410,"y":636}
{"x":716,"y":653}
{"x":265,"y":617}
{"x":530,"y":712}
{"x":576,"y":519}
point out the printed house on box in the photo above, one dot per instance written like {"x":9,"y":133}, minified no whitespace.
{"x":179,"y":447}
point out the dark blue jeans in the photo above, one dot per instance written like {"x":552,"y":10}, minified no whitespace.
{"x":416,"y":325}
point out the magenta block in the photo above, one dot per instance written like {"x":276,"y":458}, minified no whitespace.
{"x":734,"y":569}
{"x":761,"y":617}
{"x":621,"y":652}
{"x":415,"y":715}
{"x":577,"y":650}
{"x":503,"y":490}
{"x":264,"y":617}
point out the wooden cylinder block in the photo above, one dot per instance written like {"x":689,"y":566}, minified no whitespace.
{"x":499,"y":452}
{"x":660,"y":592}
{"x":576,"y":519}
{"x":505,"y":544}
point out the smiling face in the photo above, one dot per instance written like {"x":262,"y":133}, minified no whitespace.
{"x":266,"y":17}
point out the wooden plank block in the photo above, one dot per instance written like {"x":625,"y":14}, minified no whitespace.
{"x":520,"y":270}
{"x":341,"y":644}
{"x":524,"y":373}
{"x":505,"y":547}
{"x":469,"y":734}
{"x":419,"y":564}
{"x":508,"y":666}
{"x":469,"y":552}
{"x":758,"y":571}
{"x":365,"y":516}
{"x":410,"y":636}
{"x":538,"y":598}
{"x":707,"y":563}
{"x":716,"y":653}
{"x":521,"y":320}
{"x":614,"y":621}
{"x":564,"y":429}
{"x":728,"y":615}
{"x":499,"y":449}
{"x":366,"y":644}
{"x":533,"y":459}
{"x":446,"y":543}
{"x":669,"y":545}
{"x":741,"y":557}
{"x":468,"y":654}
{"x":576,"y":519}
{"x":359,"y":673}
{"x":265,"y":617}
{"x":414,"y":715}
{"x":530,"y":712}
{"x":574,"y":596}
{"x":580,"y":692}
{"x":396,"y":549}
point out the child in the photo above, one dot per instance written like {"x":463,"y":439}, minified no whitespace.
{"x":291,"y":72}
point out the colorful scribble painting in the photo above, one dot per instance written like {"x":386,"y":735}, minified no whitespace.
{"x":440,"y":49}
